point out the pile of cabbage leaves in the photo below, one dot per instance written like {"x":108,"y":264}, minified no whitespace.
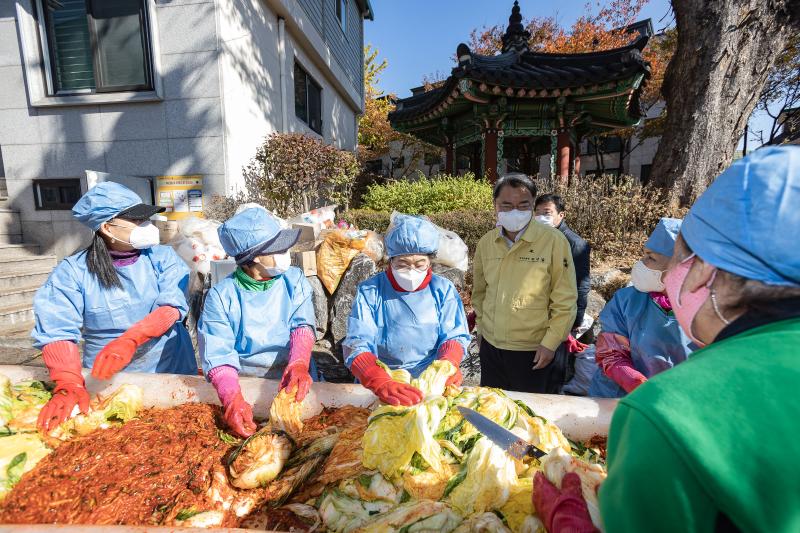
{"x":428,"y":469}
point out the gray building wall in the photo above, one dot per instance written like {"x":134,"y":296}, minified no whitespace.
{"x":218,"y":96}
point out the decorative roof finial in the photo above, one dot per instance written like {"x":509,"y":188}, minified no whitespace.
{"x":516,"y":36}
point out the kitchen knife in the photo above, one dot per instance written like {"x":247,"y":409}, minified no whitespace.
{"x":510,"y":443}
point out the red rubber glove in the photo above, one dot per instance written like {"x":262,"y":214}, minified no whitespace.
{"x":563,"y":511}
{"x":613,"y":356}
{"x":64,"y":363}
{"x":118,"y":353}
{"x":373,"y":377}
{"x":452,"y":351}
{"x":574,"y":345}
{"x":301,"y":344}
{"x":472,"y":317}
{"x":238,"y":414}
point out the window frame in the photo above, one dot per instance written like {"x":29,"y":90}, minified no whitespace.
{"x":48,"y":59}
{"x":38,"y":201}
{"x":308,"y":80}
{"x":341,"y":13}
{"x":33,"y":61}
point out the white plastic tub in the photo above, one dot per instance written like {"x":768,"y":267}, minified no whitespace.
{"x":579,"y":418}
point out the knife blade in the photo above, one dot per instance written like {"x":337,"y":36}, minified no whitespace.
{"x":510,"y":443}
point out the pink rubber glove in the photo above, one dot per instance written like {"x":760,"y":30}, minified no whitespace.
{"x":563,"y":511}
{"x":373,"y":377}
{"x":118,"y":353}
{"x":452,"y":351}
{"x":64,"y":363}
{"x":574,"y":345}
{"x":301,"y":344}
{"x":238,"y":414}
{"x":613,"y":356}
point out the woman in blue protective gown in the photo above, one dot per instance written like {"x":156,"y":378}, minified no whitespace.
{"x":123,"y":296}
{"x":639,"y":334}
{"x":405,"y":317}
{"x":259,"y":321}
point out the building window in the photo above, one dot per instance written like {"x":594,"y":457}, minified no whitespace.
{"x":644,"y":174}
{"x":56,"y":194}
{"x":341,"y":13}
{"x":95,"y":46}
{"x":307,"y":99}
{"x":607,"y":145}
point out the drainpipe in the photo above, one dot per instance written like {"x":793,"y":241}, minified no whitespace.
{"x":282,"y":63}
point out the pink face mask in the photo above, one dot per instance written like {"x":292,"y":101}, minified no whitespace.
{"x":686,"y":305}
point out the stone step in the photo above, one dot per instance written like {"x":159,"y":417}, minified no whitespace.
{"x":18,"y":336}
{"x":10,"y":251}
{"x":15,"y":238}
{"x":22,"y":278}
{"x":15,"y":315}
{"x":24,"y":264}
{"x":17,"y":296}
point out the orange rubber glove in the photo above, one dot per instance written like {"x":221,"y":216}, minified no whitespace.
{"x":118,"y":353}
{"x":563,"y":511}
{"x":373,"y":377}
{"x":64,"y":363}
{"x":452,"y":351}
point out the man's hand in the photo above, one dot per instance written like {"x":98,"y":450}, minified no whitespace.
{"x":542,"y":357}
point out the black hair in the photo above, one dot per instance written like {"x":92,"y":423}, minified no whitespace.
{"x":514,"y":180}
{"x":99,"y":263}
{"x":548,"y":198}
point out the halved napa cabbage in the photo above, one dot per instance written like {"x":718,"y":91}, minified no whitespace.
{"x":488,"y":476}
{"x":395,"y":434}
{"x":120,"y":406}
{"x":483,"y":523}
{"x":431,"y":381}
{"x":20,"y":404}
{"x":343,"y":513}
{"x":284,"y":413}
{"x":413,"y":517}
{"x":558,"y":462}
{"x":519,"y":505}
{"x":18,"y":454}
{"x":260,"y":458}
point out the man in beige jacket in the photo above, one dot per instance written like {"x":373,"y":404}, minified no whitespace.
{"x":524,"y":294}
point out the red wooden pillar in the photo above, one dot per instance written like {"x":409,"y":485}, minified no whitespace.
{"x":562,"y":153}
{"x":448,"y":158}
{"x":490,"y":154}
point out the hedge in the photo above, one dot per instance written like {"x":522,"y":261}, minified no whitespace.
{"x":426,"y":196}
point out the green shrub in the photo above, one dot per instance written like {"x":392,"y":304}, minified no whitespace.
{"x":470,"y":225}
{"x":426,"y":196}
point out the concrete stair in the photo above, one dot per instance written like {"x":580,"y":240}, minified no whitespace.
{"x":22,"y":271}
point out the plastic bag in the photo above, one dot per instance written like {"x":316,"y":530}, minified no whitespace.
{"x":197,"y":243}
{"x":453,"y":251}
{"x":585,"y":368}
{"x":323,"y":218}
{"x":337,"y":250}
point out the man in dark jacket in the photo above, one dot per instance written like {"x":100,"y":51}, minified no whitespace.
{"x":549,"y":209}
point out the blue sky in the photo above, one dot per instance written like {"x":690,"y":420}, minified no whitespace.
{"x":419,"y":37}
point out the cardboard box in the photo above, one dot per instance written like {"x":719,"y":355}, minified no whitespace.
{"x":308,"y":236}
{"x":305,"y":261}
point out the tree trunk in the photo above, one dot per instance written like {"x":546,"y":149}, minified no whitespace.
{"x":725,"y":51}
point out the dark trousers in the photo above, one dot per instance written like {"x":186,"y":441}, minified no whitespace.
{"x":511,"y":370}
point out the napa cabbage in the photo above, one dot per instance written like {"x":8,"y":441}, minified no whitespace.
{"x":18,"y":454}
{"x":488,"y":475}
{"x":120,"y":406}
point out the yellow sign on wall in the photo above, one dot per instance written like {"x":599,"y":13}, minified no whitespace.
{"x":181,"y":195}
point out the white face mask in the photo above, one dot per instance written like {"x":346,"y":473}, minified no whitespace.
{"x":545,"y":219}
{"x":142,"y":237}
{"x":645,"y":279}
{"x":409,"y":280}
{"x":514,"y":220}
{"x":282,"y":263}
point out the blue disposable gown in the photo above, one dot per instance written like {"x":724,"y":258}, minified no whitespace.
{"x":72,"y":305}
{"x":657,"y":342}
{"x":404,"y":329}
{"x":249,"y":330}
